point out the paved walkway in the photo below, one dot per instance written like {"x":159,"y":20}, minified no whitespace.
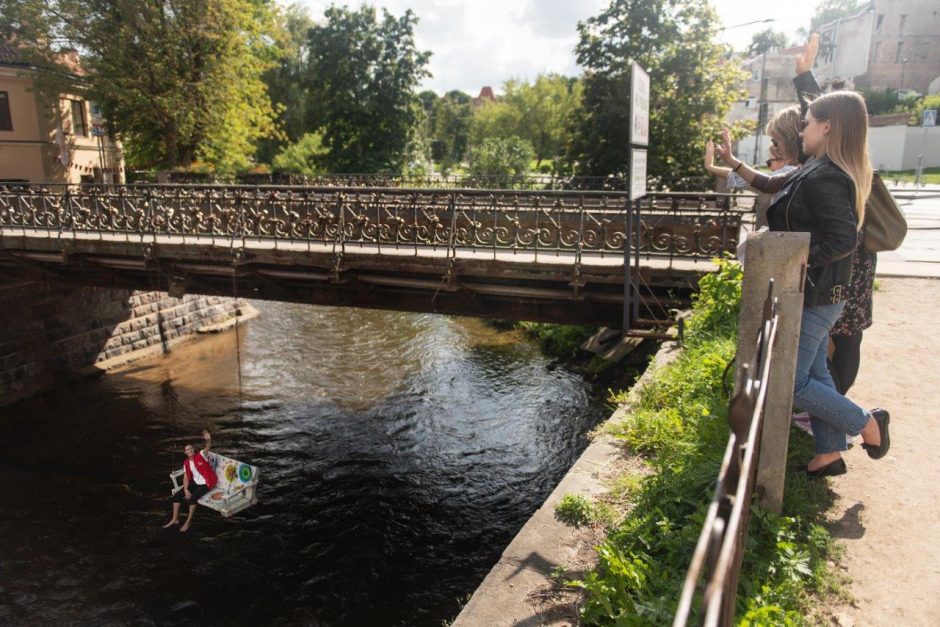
{"x":920,"y":253}
{"x":888,"y":511}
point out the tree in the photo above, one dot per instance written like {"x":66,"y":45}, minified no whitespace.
{"x":543,"y":111}
{"x":303,"y":157}
{"x":177,"y":81}
{"x":537,"y":112}
{"x":831,"y":10}
{"x":501,"y":160}
{"x":494,"y":119}
{"x":284,"y":80}
{"x":361,"y":76}
{"x":451,"y":130}
{"x":766,"y":41}
{"x":692,"y":86}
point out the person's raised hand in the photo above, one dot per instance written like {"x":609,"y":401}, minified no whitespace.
{"x":709,"y":154}
{"x":804,"y":63}
{"x":724,"y":151}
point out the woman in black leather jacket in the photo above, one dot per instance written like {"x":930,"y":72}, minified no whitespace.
{"x":826,"y":199}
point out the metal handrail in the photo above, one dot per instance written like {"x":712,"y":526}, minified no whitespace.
{"x":688,"y":225}
{"x":720,"y":549}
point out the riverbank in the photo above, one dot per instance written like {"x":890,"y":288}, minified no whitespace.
{"x":642,"y":493}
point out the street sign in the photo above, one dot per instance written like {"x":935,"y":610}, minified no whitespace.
{"x":930,"y":118}
{"x":639,"y":105}
{"x":637,"y":173}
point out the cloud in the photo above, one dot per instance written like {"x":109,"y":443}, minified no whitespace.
{"x":485,"y":42}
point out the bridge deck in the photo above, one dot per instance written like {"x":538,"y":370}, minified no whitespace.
{"x":550,"y":256}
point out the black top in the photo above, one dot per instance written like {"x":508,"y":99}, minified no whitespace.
{"x":820,"y":200}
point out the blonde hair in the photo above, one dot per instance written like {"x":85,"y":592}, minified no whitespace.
{"x":848,"y":140}
{"x":786,"y":126}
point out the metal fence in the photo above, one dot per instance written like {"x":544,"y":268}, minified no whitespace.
{"x":463,"y":181}
{"x":711,"y":584}
{"x":672,"y":225}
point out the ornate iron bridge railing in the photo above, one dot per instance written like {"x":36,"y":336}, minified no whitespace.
{"x":464,"y":181}
{"x":721,"y":544}
{"x":578,"y":224}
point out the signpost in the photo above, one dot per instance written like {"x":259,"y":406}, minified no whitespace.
{"x":928,"y":119}
{"x":639,"y":136}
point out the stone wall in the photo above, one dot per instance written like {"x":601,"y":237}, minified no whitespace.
{"x":51,"y":333}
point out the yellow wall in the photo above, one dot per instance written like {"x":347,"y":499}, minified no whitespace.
{"x":31,"y":150}
{"x":21,"y":150}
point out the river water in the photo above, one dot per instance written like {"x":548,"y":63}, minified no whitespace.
{"x":398,"y":455}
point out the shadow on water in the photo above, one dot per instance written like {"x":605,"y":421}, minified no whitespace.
{"x":399,"y":454}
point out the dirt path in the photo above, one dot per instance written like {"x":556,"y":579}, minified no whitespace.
{"x":888,"y":513}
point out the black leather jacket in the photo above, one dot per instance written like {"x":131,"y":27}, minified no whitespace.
{"x":820,"y":200}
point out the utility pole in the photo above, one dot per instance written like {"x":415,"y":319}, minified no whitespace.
{"x":761,"y":108}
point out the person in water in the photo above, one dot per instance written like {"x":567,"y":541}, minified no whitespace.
{"x":198,"y":479}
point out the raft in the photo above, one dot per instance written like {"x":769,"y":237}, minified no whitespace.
{"x":235,"y":490}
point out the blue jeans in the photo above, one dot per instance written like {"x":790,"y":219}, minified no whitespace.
{"x":832,"y":415}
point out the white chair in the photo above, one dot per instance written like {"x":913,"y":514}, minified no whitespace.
{"x":235,"y":490}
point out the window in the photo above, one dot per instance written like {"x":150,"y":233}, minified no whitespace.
{"x":877,"y":52}
{"x":6,"y":124}
{"x":881,"y":18}
{"x":899,"y":53}
{"x":901,"y":28}
{"x":924,"y":49}
{"x":79,"y":127}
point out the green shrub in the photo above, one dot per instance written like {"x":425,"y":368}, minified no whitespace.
{"x":574,"y":509}
{"x":558,"y":340}
{"x":302,"y":157}
{"x":505,"y":158}
{"x":678,"y":422}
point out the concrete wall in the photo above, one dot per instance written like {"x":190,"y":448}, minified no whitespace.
{"x":897,"y":147}
{"x":50,"y":334}
{"x":890,"y":147}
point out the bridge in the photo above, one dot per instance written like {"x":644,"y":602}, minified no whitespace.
{"x":580,"y":257}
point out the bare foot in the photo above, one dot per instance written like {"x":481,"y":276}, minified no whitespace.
{"x":184,"y":528}
{"x":171,"y":523}
{"x":871,"y":434}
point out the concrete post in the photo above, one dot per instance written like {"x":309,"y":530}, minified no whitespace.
{"x":781,"y":257}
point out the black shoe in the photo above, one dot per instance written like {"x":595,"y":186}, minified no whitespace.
{"x":882,"y":417}
{"x":832,"y":469}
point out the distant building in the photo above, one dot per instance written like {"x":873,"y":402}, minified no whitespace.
{"x":904,"y":52}
{"x":69,"y":144}
{"x":486,"y":95}
{"x":891,"y":44}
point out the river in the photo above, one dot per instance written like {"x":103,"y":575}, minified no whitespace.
{"x":398,"y":455}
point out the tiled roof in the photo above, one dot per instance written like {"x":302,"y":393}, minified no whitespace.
{"x":9,"y":55}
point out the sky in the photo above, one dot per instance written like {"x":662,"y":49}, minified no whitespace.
{"x":485,"y":42}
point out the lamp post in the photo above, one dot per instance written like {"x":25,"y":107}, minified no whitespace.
{"x":763,"y":82}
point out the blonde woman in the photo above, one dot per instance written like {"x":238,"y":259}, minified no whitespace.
{"x":826,"y":198}
{"x":784,"y":131}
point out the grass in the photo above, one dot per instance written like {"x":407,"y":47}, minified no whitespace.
{"x":931,"y":176}
{"x":678,"y":425}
